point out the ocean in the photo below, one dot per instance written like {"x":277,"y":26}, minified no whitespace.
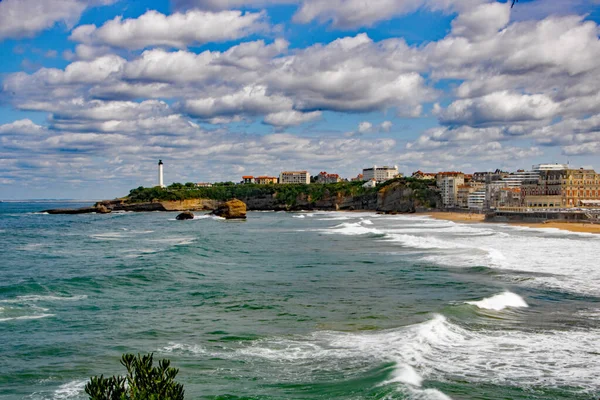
{"x":307,"y":305}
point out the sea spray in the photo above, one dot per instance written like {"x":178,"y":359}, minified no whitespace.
{"x":500,"y":301}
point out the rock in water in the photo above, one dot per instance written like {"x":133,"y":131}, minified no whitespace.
{"x":185,"y":215}
{"x":232,"y":209}
{"x":102,"y":209}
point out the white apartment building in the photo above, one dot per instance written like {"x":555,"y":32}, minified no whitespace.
{"x":448,"y":183}
{"x":380,"y":174}
{"x":477,"y":200}
{"x":550,"y":167}
{"x":294,"y":177}
{"x":516,"y":179}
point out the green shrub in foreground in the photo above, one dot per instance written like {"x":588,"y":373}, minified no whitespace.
{"x":142,"y":382}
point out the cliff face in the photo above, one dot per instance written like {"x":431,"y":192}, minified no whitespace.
{"x":395,"y":197}
{"x":404,"y":199}
{"x":182,"y":205}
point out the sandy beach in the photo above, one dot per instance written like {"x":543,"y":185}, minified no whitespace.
{"x":479,"y":218}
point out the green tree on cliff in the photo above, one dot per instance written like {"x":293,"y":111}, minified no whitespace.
{"x":142,"y":382}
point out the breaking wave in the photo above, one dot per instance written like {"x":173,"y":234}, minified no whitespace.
{"x":500,"y":301}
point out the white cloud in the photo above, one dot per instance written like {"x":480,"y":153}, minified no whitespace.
{"x":177,"y":30}
{"x":386,"y":126}
{"x":482,"y":21}
{"x":26,"y":18}
{"x":365,"y":127}
{"x":499,"y":107}
{"x":250,"y":100}
{"x":21,"y":127}
{"x":291,"y":118}
{"x":216,"y":5}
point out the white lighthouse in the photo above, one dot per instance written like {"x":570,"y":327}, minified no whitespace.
{"x":160,"y":174}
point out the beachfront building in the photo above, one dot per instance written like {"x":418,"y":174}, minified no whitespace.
{"x":247,"y":179}
{"x":204,"y":184}
{"x":565,"y":188}
{"x":359,"y":177}
{"x":550,"y":167}
{"x":488,"y":177}
{"x":464,"y":191}
{"x":426,"y":176}
{"x":265,"y":180}
{"x":380,"y":174}
{"x":476,"y":200}
{"x":294,"y":177}
{"x":448,"y":183}
{"x":501,"y":193}
{"x":324,"y":177}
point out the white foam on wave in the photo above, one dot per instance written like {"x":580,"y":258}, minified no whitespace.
{"x":406,"y":374}
{"x":32,"y":247}
{"x":175,"y":241}
{"x":500,"y":301}
{"x":298,"y":216}
{"x":351,"y":229}
{"x":69,"y":390}
{"x":36,"y":298}
{"x":107,"y":236}
{"x":561,"y":260}
{"x":440,"y":350}
{"x":182,"y":347}
{"x":26,"y":317}
{"x":422,"y":242}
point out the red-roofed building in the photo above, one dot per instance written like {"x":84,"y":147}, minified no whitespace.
{"x":429,"y":176}
{"x":324,"y":177}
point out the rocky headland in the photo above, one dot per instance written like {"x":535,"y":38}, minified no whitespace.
{"x":397,"y":196}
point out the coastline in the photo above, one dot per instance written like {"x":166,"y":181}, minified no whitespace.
{"x":479,"y":218}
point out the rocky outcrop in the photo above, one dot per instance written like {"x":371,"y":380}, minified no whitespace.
{"x":185,"y":215}
{"x":401,"y":198}
{"x":232,"y":209}
{"x":395,"y":197}
{"x":102,"y":209}
{"x":85,"y":210}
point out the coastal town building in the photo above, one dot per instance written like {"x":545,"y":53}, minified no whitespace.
{"x":324,"y":177}
{"x":427,"y":176}
{"x":265,"y":180}
{"x":204,"y":184}
{"x":464,"y":191}
{"x":550,"y":167}
{"x":476,"y":200}
{"x":498,"y":194}
{"x":488,"y":177}
{"x":562,"y":189}
{"x":247,"y":179}
{"x":359,"y":177}
{"x":294,"y":177}
{"x":380,"y":174}
{"x":448,"y":183}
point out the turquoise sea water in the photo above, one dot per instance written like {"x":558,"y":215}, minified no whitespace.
{"x":299,"y":305}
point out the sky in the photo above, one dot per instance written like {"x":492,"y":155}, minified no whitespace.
{"x":94,"y":92}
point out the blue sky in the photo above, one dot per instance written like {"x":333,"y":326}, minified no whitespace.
{"x":94,"y":92}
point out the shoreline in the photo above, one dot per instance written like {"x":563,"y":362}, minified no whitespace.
{"x":480,"y":218}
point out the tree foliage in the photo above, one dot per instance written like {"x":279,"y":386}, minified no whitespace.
{"x":142,"y":382}
{"x":287,"y":193}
